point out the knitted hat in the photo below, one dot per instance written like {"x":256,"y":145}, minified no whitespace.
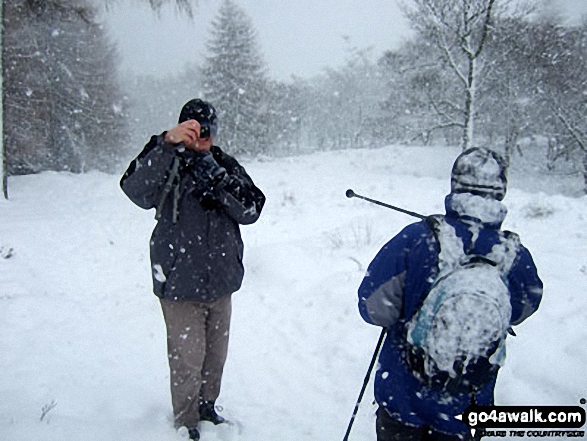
{"x":479,"y":171}
{"x":201,"y":111}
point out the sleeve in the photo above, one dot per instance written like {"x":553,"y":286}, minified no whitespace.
{"x":145,"y":177}
{"x":525,"y":287}
{"x":239,"y":196}
{"x":381,"y":293}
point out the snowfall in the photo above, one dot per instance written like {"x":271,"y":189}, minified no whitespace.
{"x":82,"y":339}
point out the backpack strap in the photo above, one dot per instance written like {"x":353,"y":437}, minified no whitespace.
{"x":503,"y":255}
{"x":452,"y":252}
{"x":506,"y":251}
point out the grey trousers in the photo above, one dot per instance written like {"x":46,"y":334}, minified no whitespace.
{"x":197,"y":345}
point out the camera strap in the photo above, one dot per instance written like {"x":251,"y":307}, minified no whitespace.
{"x":173,"y":174}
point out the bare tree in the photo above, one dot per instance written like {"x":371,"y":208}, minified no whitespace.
{"x":421,"y":100}
{"x":459,"y":29}
{"x":559,"y":81}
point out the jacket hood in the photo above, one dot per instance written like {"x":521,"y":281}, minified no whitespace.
{"x":467,"y":206}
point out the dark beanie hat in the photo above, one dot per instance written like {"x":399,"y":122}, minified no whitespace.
{"x":479,"y":171}
{"x":201,"y":111}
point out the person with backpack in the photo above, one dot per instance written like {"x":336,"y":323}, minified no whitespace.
{"x":448,"y":289}
{"x":201,"y":196}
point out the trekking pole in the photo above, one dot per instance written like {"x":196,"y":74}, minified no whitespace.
{"x":365,"y":382}
{"x":351,"y":194}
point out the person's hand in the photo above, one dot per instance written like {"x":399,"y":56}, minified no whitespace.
{"x":187,"y":132}
{"x":205,"y":167}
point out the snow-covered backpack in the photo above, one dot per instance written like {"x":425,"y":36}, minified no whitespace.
{"x":457,"y":337}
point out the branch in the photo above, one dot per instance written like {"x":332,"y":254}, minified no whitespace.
{"x":490,"y":67}
{"x":182,"y":5}
{"x":485,"y":32}
{"x":441,"y":41}
{"x":453,"y":64}
{"x":425,"y":133}
{"x":442,"y":113}
{"x":576,"y":134}
{"x":41,"y":6}
{"x":417,"y":67}
{"x":186,"y":6}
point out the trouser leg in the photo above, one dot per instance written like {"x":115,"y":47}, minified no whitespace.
{"x":197,"y":346}
{"x":217,"y":332}
{"x":186,"y":349}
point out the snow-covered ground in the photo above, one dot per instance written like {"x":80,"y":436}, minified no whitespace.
{"x":82,"y":339}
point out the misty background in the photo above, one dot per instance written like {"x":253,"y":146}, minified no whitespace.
{"x":86,"y":85}
{"x":316,"y":98}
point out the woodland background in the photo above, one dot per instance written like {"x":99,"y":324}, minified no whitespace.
{"x":476,"y":72}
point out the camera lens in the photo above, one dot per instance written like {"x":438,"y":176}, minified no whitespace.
{"x":205,"y":132}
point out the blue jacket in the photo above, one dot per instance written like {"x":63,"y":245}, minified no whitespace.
{"x":396,"y":284}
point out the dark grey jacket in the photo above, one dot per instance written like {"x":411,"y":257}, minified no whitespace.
{"x":196,"y":246}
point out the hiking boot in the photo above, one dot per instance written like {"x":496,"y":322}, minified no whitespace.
{"x":208,"y":413}
{"x":193,"y":433}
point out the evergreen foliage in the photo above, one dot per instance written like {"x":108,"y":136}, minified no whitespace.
{"x":235,"y":81}
{"x":155,"y":102}
{"x":63,"y":110}
{"x":519,"y":77}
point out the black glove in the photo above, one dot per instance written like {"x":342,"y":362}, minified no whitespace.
{"x":206,"y":167}
{"x":203,"y":167}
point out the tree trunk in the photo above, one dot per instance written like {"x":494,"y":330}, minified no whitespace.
{"x":3,"y":170}
{"x":468,"y":126}
{"x":585,"y":170}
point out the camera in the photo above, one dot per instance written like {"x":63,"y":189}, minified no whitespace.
{"x":205,"y":131}
{"x":208,"y":129}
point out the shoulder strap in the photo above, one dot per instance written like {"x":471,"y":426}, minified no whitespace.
{"x":506,"y":251}
{"x":503,"y":255}
{"x":173,"y":173}
{"x":452,"y":251}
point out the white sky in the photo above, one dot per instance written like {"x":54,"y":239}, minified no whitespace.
{"x":299,"y":37}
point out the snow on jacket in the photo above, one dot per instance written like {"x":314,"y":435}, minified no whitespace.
{"x":395,"y":286}
{"x":196,"y":246}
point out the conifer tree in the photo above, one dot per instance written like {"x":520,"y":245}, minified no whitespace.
{"x":17,"y":18}
{"x":62,"y":109}
{"x":235,"y":80}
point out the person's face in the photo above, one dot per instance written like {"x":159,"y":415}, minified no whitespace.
{"x":204,"y":142}
{"x":201,"y":144}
